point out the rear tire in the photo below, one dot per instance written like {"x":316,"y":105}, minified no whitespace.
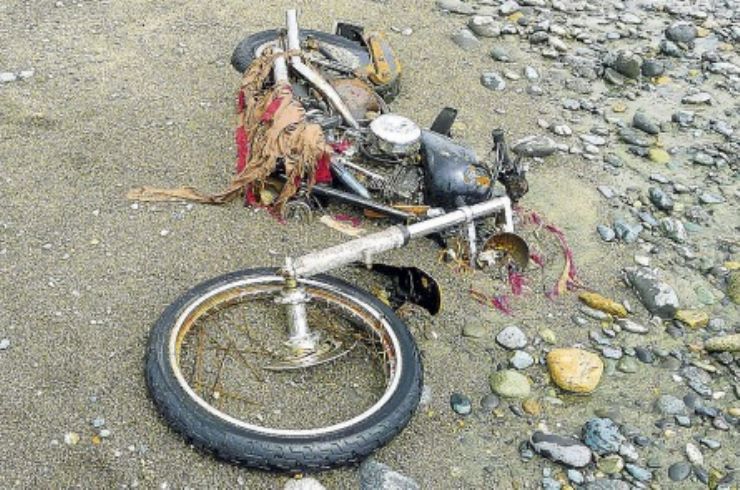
{"x":262,"y":447}
{"x":244,"y":53}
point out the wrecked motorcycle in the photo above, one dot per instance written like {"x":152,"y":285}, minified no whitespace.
{"x":291,"y":369}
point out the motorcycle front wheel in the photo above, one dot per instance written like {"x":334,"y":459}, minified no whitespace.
{"x":219,"y":370}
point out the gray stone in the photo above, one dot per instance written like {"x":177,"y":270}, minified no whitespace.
{"x":627,"y":232}
{"x":512,"y":338}
{"x":575,"y":476}
{"x":606,"y":233}
{"x":593,"y":139}
{"x":670,"y":405}
{"x":375,"y":475}
{"x":530,"y":73}
{"x":683,"y":118}
{"x":679,"y":471}
{"x":493,"y":81}
{"x":509,"y":7}
{"x":669,"y":48}
{"x":697,"y":98}
{"x":646,"y":123}
{"x":305,"y":483}
{"x":657,"y":296}
{"x":7,"y":77}
{"x":489,"y":402}
{"x":461,"y":404}
{"x":652,"y":68}
{"x":466,"y":39}
{"x":674,"y":229}
{"x":484,"y":26}
{"x":535,"y":146}
{"x":660,"y":199}
{"x":4,"y":344}
{"x":628,"y":64}
{"x":565,"y":450}
{"x":709,"y":198}
{"x":602,"y":436}
{"x":456,"y":6}
{"x":701,"y":158}
{"x":607,"y":484}
{"x":638,"y":472}
{"x":681,"y":32}
{"x":632,"y":326}
{"x":631,"y":137}
{"x":521,"y":360}
{"x":500,"y":54}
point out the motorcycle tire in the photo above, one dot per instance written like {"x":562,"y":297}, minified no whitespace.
{"x":247,"y":443}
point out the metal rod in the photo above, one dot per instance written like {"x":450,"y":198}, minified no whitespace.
{"x":395,"y":237}
{"x":355,"y":200}
{"x":294,"y":46}
{"x":280,"y":68}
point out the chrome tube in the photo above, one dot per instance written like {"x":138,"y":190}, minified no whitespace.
{"x":362,"y":249}
{"x":280,"y":68}
{"x":314,"y":77}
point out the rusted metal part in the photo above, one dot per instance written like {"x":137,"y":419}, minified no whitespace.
{"x":358,"y":95}
{"x":511,"y":248}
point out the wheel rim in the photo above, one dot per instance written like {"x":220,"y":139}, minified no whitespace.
{"x":321,"y":410}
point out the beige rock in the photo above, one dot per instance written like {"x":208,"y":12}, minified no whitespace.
{"x":726,"y":343}
{"x":693,"y":318}
{"x":575,"y":370}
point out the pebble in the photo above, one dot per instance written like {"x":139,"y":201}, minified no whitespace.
{"x":606,"y":233}
{"x":493,"y":81}
{"x":725,"y":343}
{"x":456,"y":6}
{"x":702,"y":158}
{"x":489,"y":402}
{"x":521,"y":360}
{"x":611,"y":464}
{"x":71,"y":438}
{"x":679,"y":471}
{"x":645,"y":123}
{"x":461,"y":404}
{"x":4,"y":344}
{"x":512,"y":338}
{"x":698,"y":98}
{"x":374,"y":475}
{"x":627,"y":365}
{"x":484,"y":26}
{"x":7,"y":77}
{"x":670,"y":405}
{"x":565,"y":450}
{"x":693,"y":453}
{"x":638,"y":472}
{"x":632,"y":326}
{"x":658,"y":155}
{"x":500,"y":54}
{"x":660,"y":199}
{"x":627,"y":232}
{"x":466,"y":40}
{"x":531,"y":74}
{"x":681,"y":32}
{"x":510,"y":384}
{"x":644,"y":355}
{"x":304,"y":483}
{"x":574,"y":369}
{"x":535,"y":146}
{"x":602,"y":436}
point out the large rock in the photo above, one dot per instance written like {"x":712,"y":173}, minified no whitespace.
{"x":565,"y":450}
{"x":510,"y":383}
{"x":535,"y":146}
{"x":657,"y":296}
{"x":575,"y":370}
